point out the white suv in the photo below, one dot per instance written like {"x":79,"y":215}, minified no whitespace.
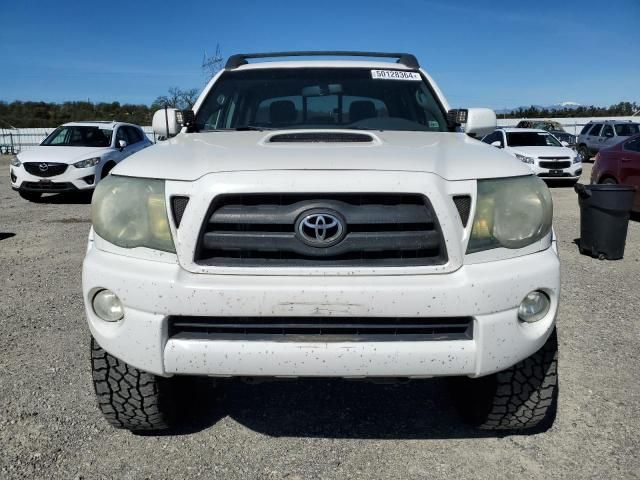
{"x":74,"y":157}
{"x":323,"y":219}
{"x":545,"y":155}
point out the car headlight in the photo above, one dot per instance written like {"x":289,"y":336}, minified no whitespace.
{"x":510,"y":213}
{"x":15,"y":162}
{"x":524,"y":158}
{"x":89,"y":162}
{"x":577,"y":159}
{"x":131,"y":212}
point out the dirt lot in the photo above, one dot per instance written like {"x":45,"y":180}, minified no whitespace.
{"x":50,"y":426}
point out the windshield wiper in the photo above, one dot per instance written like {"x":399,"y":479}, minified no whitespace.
{"x":250,"y":128}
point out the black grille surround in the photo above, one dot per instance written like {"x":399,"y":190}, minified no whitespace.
{"x":53,"y":169}
{"x":382,"y":230}
{"x":321,"y":328}
{"x":555,"y":164}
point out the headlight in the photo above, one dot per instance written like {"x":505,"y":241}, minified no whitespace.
{"x":89,"y":162}
{"x":15,"y":162}
{"x":510,"y":213}
{"x":131,"y":212}
{"x":524,"y":158}
{"x":577,"y":158}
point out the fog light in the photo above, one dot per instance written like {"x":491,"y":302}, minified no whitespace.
{"x":108,"y":306}
{"x":534,"y":307}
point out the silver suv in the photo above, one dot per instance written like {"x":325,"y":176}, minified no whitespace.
{"x":597,"y":135}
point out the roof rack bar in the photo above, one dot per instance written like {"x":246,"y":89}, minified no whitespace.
{"x":239,"y":59}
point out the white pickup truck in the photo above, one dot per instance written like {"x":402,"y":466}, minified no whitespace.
{"x":323,"y":218}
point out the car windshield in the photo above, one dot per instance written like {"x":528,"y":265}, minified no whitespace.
{"x":531,"y":139}
{"x":79,"y":136}
{"x":358,"y":98}
{"x":627,"y":129}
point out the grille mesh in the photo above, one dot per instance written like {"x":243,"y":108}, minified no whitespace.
{"x":52,"y":169}
{"x":463,"y":204}
{"x":178,"y":206}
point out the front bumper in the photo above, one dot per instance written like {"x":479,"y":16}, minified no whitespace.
{"x":73,"y":179}
{"x":490,"y":292}
{"x":571,"y":173}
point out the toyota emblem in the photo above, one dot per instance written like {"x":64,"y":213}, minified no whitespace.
{"x":320,"y":228}
{"x":43,"y":167}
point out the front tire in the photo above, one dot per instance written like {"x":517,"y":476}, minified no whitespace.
{"x":522,"y":397}
{"x":31,"y":196}
{"x":608,"y":181}
{"x":584,"y":151}
{"x":130,"y":398}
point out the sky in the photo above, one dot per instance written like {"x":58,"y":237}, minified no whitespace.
{"x":492,"y":53}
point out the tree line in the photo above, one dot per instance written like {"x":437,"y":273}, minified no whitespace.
{"x":20,"y":114}
{"x":622,"y":109}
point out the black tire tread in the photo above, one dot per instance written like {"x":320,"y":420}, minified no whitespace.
{"x":130,"y":398}
{"x":526,"y":394}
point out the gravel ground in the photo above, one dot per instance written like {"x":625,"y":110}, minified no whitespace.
{"x":50,"y":426}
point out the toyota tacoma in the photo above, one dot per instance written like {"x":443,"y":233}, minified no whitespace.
{"x":323,"y":217}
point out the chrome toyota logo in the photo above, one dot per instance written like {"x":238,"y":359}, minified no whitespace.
{"x":43,"y":167}
{"x":320,"y":228}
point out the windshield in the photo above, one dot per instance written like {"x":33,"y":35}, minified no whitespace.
{"x":531,"y":139}
{"x":626,"y":129}
{"x":79,"y":136}
{"x":358,"y":98}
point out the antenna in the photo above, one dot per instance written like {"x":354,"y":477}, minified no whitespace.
{"x":212,"y":65}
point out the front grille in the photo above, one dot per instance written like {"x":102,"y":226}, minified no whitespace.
{"x":321,"y":328}
{"x":379,"y":230}
{"x":555,"y":165}
{"x":52,"y":169}
{"x":48,"y":187}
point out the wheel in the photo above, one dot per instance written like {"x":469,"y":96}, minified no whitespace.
{"x":106,"y":170}
{"x":31,"y":196}
{"x":130,"y":398}
{"x":521,"y":397}
{"x":584,"y":151}
{"x":608,"y":181}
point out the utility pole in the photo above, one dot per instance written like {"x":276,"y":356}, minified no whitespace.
{"x":212,"y":65}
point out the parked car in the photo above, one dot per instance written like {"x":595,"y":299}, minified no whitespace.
{"x":74,"y":157}
{"x":597,"y":135}
{"x":325,"y":219}
{"x":540,"y":150}
{"x":553,"y":127}
{"x":620,"y":164}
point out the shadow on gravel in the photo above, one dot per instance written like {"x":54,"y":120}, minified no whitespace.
{"x":328,"y":408}
{"x":5,"y":235}
{"x":80,"y":198}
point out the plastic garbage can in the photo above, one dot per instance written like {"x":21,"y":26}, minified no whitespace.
{"x":604,"y":219}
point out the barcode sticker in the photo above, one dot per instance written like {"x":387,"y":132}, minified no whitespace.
{"x":395,"y":75}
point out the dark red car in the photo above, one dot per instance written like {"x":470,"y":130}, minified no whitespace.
{"x":620,"y":164}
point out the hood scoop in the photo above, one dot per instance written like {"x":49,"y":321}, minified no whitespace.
{"x":321,"y":137}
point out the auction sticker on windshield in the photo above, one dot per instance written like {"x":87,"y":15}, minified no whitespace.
{"x":395,"y":75}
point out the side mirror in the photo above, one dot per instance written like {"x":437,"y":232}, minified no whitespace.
{"x":496,"y":144}
{"x":165,"y":122}
{"x":476,"y":122}
{"x":121,"y":144}
{"x":564,"y":144}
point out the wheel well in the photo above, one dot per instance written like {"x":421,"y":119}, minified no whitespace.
{"x":107,"y":166}
{"x":606,"y":176}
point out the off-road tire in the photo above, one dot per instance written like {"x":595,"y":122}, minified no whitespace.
{"x":31,"y":196}
{"x":522,"y":397}
{"x":130,"y":398}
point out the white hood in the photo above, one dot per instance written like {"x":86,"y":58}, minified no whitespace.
{"x":68,"y":155}
{"x":453,"y":156}
{"x":544,"y":151}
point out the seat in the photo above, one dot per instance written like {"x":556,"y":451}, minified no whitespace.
{"x":282,"y":112}
{"x":361,"y":109}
